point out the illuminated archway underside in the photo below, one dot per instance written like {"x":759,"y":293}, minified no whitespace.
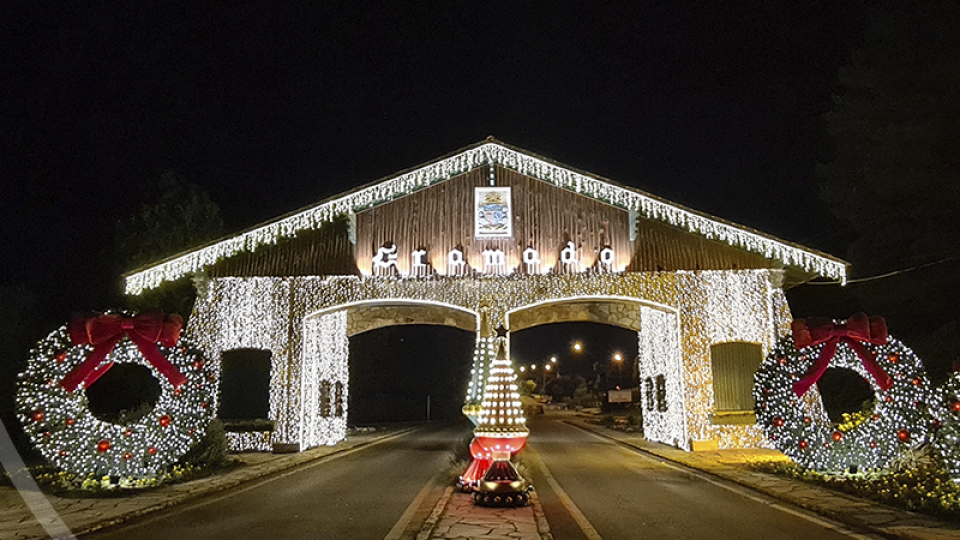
{"x":303,"y":321}
{"x":487,"y":154}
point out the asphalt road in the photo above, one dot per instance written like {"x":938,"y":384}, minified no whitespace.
{"x":358,"y":495}
{"x":618,"y":493}
{"x":590,"y":488}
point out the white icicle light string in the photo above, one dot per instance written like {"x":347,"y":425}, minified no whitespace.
{"x":483,"y":155}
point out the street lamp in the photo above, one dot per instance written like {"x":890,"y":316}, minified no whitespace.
{"x":618,"y":358}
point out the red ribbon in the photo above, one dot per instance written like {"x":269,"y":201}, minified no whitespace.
{"x":105,"y":331}
{"x":855,"y":332}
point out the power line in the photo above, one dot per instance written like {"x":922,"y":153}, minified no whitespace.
{"x":888,"y":274}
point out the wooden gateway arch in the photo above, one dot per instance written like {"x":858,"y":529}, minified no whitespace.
{"x":494,"y":236}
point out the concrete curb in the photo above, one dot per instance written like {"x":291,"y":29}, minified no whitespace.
{"x":431,"y":523}
{"x":261,"y":471}
{"x":542,"y":526}
{"x":858,"y":514}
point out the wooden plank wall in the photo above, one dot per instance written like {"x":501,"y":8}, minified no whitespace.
{"x":440,"y":218}
{"x":325,"y":251}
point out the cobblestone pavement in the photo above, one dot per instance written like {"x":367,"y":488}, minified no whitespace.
{"x":457,"y":518}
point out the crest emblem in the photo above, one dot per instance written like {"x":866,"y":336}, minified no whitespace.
{"x":493,"y":212}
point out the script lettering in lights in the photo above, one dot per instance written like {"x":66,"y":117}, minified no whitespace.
{"x":385,"y":262}
{"x":531,"y":258}
{"x":455,"y":263}
{"x":494,"y":261}
{"x":385,"y":257}
{"x":419,"y":266}
{"x":568,"y":257}
{"x":607,"y":257}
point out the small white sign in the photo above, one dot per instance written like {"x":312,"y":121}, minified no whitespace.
{"x":619,"y":396}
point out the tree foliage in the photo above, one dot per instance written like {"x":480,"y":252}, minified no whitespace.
{"x":895,"y":172}
{"x":179,"y":216}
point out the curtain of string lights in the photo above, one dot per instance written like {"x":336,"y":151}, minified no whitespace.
{"x":484,"y":155}
{"x":301,"y":320}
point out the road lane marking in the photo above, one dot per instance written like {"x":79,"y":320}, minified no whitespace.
{"x":565,"y":499}
{"x":746,"y":492}
{"x":397,"y":531}
{"x":215,"y":496}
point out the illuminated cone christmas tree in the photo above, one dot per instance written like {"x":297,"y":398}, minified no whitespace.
{"x":501,"y":427}
{"x":501,"y":414}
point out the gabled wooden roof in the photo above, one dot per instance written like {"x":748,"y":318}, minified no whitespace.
{"x":486,"y":153}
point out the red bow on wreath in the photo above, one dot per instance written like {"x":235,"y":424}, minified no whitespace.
{"x":105,"y":331}
{"x":855,"y":331}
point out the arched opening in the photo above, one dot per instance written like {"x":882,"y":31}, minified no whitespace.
{"x":578,"y":364}
{"x":403,"y":373}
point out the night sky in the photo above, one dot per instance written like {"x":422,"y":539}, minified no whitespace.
{"x":272,"y":106}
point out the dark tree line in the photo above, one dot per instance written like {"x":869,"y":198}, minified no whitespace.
{"x":894,"y":174}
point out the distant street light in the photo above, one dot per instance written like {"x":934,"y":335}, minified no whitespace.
{"x":618,"y":359}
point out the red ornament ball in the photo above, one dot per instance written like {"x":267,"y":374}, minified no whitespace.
{"x":903,"y":434}
{"x":778,"y":421}
{"x":888,"y":399}
{"x":103,"y":445}
{"x":893,"y":358}
{"x":165,"y":420}
{"x":875,"y":417}
{"x":803,"y":445}
{"x":61,"y":357}
{"x":127,"y":456}
{"x":873,"y":444}
{"x":70,"y":421}
{"x":62,"y":453}
{"x":152,"y":450}
{"x":204,"y":405}
{"x":837,"y":436}
{"x":782,"y":360}
{"x":916,"y":381}
{"x":177,"y":391}
{"x":38,"y":416}
{"x":807,"y":420}
{"x":955,"y":406}
{"x":128,"y":432}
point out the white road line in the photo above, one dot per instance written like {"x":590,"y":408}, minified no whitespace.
{"x":565,"y":499}
{"x":212,"y":497}
{"x":397,"y":531}
{"x":742,"y":491}
{"x":36,"y":501}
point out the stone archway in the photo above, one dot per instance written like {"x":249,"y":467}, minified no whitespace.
{"x":661,"y":380}
{"x":324,"y":372}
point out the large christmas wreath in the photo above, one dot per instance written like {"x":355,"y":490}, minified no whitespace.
{"x":947,"y":424}
{"x":798,"y":427}
{"x":54,"y":407}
